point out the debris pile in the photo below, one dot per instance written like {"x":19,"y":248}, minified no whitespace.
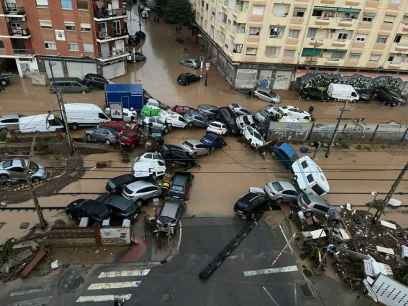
{"x":390,"y":90}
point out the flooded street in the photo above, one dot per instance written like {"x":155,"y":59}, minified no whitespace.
{"x":228,"y":173}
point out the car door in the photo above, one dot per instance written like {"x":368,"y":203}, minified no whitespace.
{"x":17,"y":173}
{"x":290,"y":194}
{"x":99,"y":135}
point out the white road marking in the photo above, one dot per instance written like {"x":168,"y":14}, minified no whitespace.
{"x":271,"y":271}
{"x":131,"y":273}
{"x":117,"y":285}
{"x":25,"y":292}
{"x":180,"y":235}
{"x":286,"y":239}
{"x":103,"y":298}
{"x":270,"y":296}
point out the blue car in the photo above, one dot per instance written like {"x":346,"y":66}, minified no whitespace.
{"x":213,"y":141}
{"x":286,"y":154}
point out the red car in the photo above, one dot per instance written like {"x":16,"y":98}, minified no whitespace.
{"x":129,"y":138}
{"x":117,"y":125}
{"x":182,"y":109}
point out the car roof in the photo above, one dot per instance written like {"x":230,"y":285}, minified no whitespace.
{"x":123,"y":179}
{"x":116,"y":201}
{"x":314,"y":198}
{"x":139,"y":185}
{"x":10,"y":116}
{"x":170,"y":208}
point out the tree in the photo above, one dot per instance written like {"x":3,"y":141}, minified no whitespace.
{"x":178,"y":12}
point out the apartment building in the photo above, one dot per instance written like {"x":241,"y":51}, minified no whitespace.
{"x":269,"y":41}
{"x":69,"y":37}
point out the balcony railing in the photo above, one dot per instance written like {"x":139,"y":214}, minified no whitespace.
{"x":19,"y":32}
{"x":13,"y":10}
{"x":17,"y":52}
{"x":111,"y":34}
{"x":114,"y":54}
{"x":104,"y":13}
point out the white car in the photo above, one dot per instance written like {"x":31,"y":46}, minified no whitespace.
{"x":173,"y":119}
{"x":150,"y":164}
{"x":270,"y":96}
{"x":128,"y":114}
{"x":253,"y":137}
{"x":217,"y":127}
{"x":245,"y":120}
{"x":141,"y":191}
{"x":294,"y":113}
{"x":238,"y":110}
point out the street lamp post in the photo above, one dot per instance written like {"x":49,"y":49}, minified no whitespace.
{"x":207,"y":68}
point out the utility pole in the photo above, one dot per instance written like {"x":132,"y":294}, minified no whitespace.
{"x":333,"y":137}
{"x":62,"y":113}
{"x":390,"y":193}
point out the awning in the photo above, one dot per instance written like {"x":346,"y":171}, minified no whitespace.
{"x":337,"y":9}
{"x":311,"y":52}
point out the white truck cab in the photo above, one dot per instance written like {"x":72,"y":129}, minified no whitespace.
{"x":342,"y":92}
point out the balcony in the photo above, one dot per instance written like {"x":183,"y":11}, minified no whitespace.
{"x":104,"y":37}
{"x":17,"y":33}
{"x":114,"y":54}
{"x":13,"y":11}
{"x":103,"y":14}
{"x":16,"y":53}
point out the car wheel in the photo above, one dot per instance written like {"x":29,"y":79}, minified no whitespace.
{"x":139,"y":203}
{"x":89,"y":138}
{"x":166,"y":130}
{"x":189,"y":125}
{"x":108,"y":142}
{"x":3,"y":179}
{"x":74,"y":126}
{"x":3,"y":82}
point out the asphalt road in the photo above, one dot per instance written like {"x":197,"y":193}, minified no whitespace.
{"x":177,"y":283}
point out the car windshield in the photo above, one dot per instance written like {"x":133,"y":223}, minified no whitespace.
{"x":33,"y":167}
{"x":257,"y":135}
{"x":246,"y":120}
{"x":7,"y":163}
{"x":188,"y":144}
{"x":177,"y":188}
{"x":277,"y":186}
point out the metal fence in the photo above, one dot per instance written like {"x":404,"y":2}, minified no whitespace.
{"x":348,"y":132}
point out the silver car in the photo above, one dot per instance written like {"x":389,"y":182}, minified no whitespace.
{"x":106,"y":135}
{"x":281,"y":191}
{"x":9,"y":122}
{"x":141,"y":191}
{"x":16,"y":170}
{"x":190,"y":62}
{"x":267,"y":96}
{"x":195,"y":147}
{"x":310,"y":202}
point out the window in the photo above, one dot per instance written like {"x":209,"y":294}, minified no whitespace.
{"x":336,"y":55}
{"x":50,"y":45}
{"x":293,"y":33}
{"x":355,"y":56}
{"x":251,"y":51}
{"x":237,"y":48}
{"x":42,"y":2}
{"x":368,"y":17}
{"x":342,"y":36}
{"x":299,"y":12}
{"x":361,"y":37}
{"x":375,"y":57}
{"x":310,"y":178}
{"x":88,"y":48}
{"x":304,"y":164}
{"x":85,"y":27}
{"x":82,"y":4}
{"x":381,"y":39}
{"x":280,"y":10}
{"x":66,"y":4}
{"x":312,"y":33}
{"x":60,"y":35}
{"x":1,"y":44}
{"x":46,"y":24}
{"x":272,"y":51}
{"x":316,"y":188}
{"x":69,"y":26}
{"x":254,"y":31}
{"x":389,"y":19}
{"x":276,"y":31}
{"x":395,"y":1}
{"x":73,"y":47}
{"x":258,"y":10}
{"x":397,"y":38}
{"x":289,"y":53}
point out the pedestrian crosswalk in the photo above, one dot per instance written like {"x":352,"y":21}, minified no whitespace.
{"x":113,"y":285}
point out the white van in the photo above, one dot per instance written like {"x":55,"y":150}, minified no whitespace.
{"x":40,"y":123}
{"x":309,"y":176}
{"x":343,"y":92}
{"x":84,"y":114}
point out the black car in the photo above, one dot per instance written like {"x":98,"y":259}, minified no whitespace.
{"x":185,"y":79}
{"x":4,"y":80}
{"x":213,"y":141}
{"x":311,"y":93}
{"x":180,"y":185}
{"x":116,"y":184}
{"x":176,"y":156}
{"x":95,"y":81}
{"x":170,"y":215}
{"x":225,"y":115}
{"x":389,"y":97}
{"x":94,"y":210}
{"x":210,"y":111}
{"x":120,"y":206}
{"x":197,"y":119}
{"x":251,"y":205}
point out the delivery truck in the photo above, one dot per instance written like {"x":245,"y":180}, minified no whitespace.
{"x":40,"y":123}
{"x":342,"y":92}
